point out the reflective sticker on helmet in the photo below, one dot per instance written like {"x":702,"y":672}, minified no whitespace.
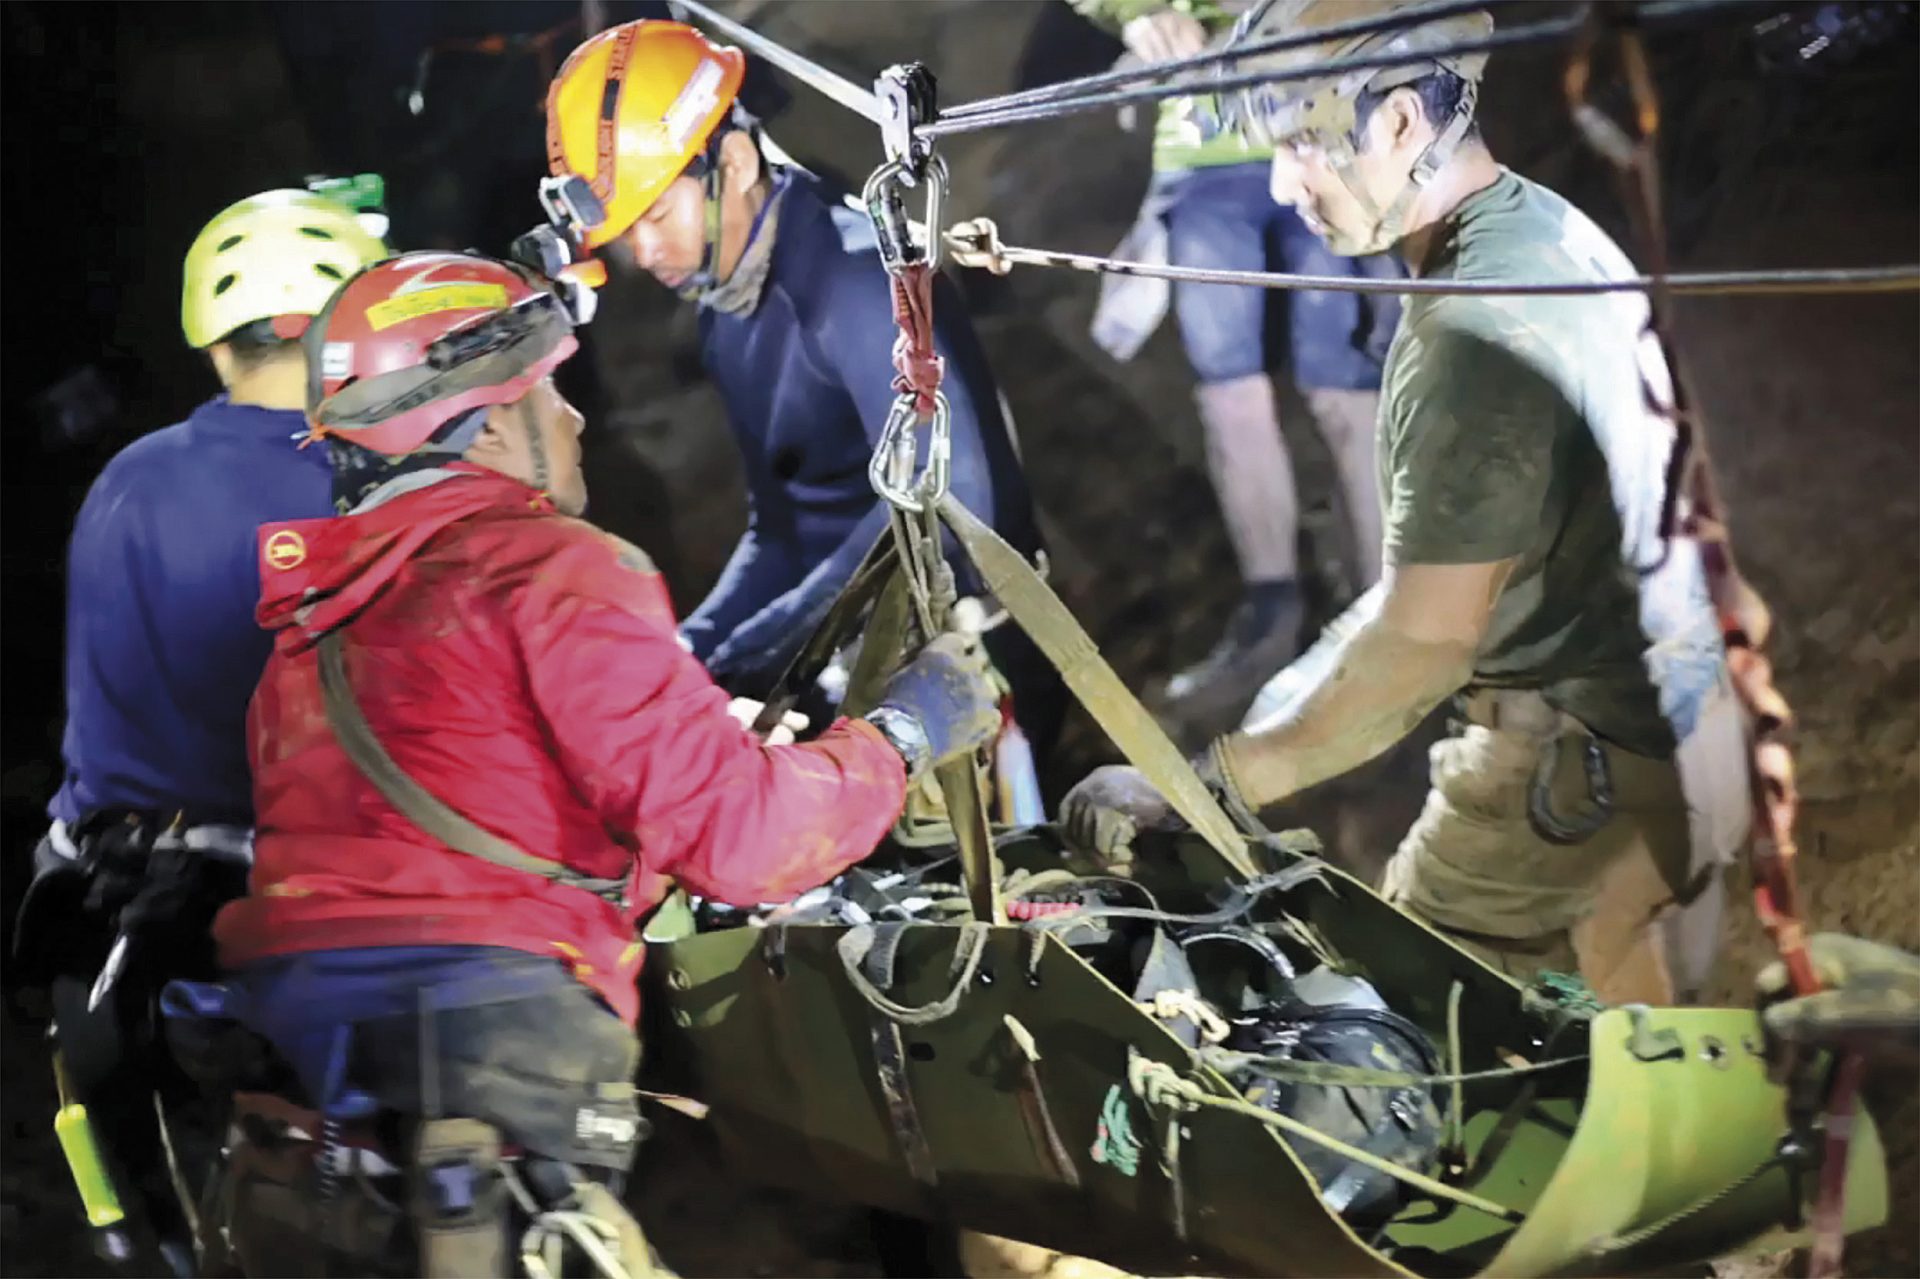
{"x":336,"y":359}
{"x":286,"y":549}
{"x":695,"y":103}
{"x":442,"y":297}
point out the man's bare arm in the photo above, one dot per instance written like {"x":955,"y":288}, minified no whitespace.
{"x":1412,"y":646}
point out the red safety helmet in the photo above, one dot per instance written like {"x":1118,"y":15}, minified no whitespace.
{"x":413,"y":342}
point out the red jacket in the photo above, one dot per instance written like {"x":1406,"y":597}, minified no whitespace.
{"x":524,"y":668}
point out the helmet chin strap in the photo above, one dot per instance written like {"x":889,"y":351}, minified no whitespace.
{"x":1389,"y":224}
{"x":705,"y":280}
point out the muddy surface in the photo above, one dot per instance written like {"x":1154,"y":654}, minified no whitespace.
{"x":1813,"y":408}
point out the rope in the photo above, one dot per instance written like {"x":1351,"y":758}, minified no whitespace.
{"x":918,"y":367}
{"x":855,"y":944}
{"x":1159,"y":1085}
{"x":1240,"y":900}
{"x":829,"y":84}
{"x":1329,"y":1075}
{"x":1168,"y":1005}
{"x":1457,"y":1118}
{"x":1411,"y":16}
{"x":976,"y":243}
{"x":1021,"y":108}
{"x":1536,"y":33}
{"x":1694,"y":508}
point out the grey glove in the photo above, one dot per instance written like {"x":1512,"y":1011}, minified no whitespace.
{"x":1870,"y":1002}
{"x":1101,"y":815}
{"x":1109,"y":806}
{"x":941,"y":705}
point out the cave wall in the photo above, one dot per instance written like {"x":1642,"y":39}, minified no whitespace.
{"x":1813,"y":405}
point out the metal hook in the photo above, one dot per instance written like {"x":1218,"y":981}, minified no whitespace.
{"x":886,"y":207}
{"x":891,"y":469}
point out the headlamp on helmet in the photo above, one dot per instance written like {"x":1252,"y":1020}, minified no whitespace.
{"x":555,"y":248}
{"x":415,"y":341}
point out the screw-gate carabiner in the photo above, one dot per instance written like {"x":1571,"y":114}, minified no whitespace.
{"x":891,"y":470}
{"x":886,"y":206}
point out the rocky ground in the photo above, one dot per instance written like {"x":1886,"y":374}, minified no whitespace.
{"x":1813,"y":408}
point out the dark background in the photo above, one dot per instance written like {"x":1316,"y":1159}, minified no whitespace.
{"x":128,"y":125}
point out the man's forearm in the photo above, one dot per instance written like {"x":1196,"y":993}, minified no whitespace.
{"x":1373,"y":689}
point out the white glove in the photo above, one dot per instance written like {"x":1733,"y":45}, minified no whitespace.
{"x":746,"y":710}
{"x":1164,"y":36}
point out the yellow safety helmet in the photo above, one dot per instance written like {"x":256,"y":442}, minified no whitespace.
{"x":279,"y":253}
{"x":632,"y":109}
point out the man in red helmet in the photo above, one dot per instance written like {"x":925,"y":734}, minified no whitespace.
{"x":481,"y":756}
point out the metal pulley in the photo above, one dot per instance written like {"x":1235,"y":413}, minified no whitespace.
{"x":908,"y":99}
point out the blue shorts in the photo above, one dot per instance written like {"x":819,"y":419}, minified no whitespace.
{"x":1225,"y":217}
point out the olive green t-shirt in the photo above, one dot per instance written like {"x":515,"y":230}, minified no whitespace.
{"x":1520,"y":427}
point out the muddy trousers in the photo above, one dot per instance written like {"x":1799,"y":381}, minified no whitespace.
{"x":463,"y":1083}
{"x":1477,"y":866}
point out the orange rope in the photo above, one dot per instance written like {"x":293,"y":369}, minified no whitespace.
{"x":1695,"y":510}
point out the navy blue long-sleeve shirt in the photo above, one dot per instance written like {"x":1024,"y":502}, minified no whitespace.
{"x":162,"y":652}
{"x":807,"y":379}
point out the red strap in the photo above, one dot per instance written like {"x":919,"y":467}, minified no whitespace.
{"x":917,"y":367}
{"x":1694,"y":509}
{"x":1829,"y":1210}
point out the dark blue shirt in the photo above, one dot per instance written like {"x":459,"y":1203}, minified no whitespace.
{"x":162,"y":653}
{"x":807,"y":381}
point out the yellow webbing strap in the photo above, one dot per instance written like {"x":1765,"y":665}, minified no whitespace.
{"x":1038,"y":611}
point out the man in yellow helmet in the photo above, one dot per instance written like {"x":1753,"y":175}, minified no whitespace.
{"x":1597,"y":775}
{"x":796,"y":325}
{"x":152,"y":822}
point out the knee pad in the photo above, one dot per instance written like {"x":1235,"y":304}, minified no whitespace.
{"x":457,"y":1198}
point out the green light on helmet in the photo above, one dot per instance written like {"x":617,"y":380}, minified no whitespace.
{"x":364,"y":193}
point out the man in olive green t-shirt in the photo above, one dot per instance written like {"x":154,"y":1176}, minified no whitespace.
{"x":1598,"y":777}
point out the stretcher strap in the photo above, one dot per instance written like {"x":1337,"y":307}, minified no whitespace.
{"x":1038,"y":611}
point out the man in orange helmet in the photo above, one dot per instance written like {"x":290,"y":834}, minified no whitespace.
{"x":796,"y":326}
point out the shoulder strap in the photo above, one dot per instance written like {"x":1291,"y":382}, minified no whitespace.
{"x":418,"y":805}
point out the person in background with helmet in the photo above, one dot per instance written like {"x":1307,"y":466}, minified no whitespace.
{"x":796,"y":327}
{"x":162,"y":654}
{"x":1208,"y":206}
{"x":1598,"y":775}
{"x":482,"y":756}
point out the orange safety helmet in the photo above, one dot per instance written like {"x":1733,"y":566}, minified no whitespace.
{"x":631,"y":109}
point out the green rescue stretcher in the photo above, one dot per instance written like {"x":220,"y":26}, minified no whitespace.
{"x":1038,"y":1107}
